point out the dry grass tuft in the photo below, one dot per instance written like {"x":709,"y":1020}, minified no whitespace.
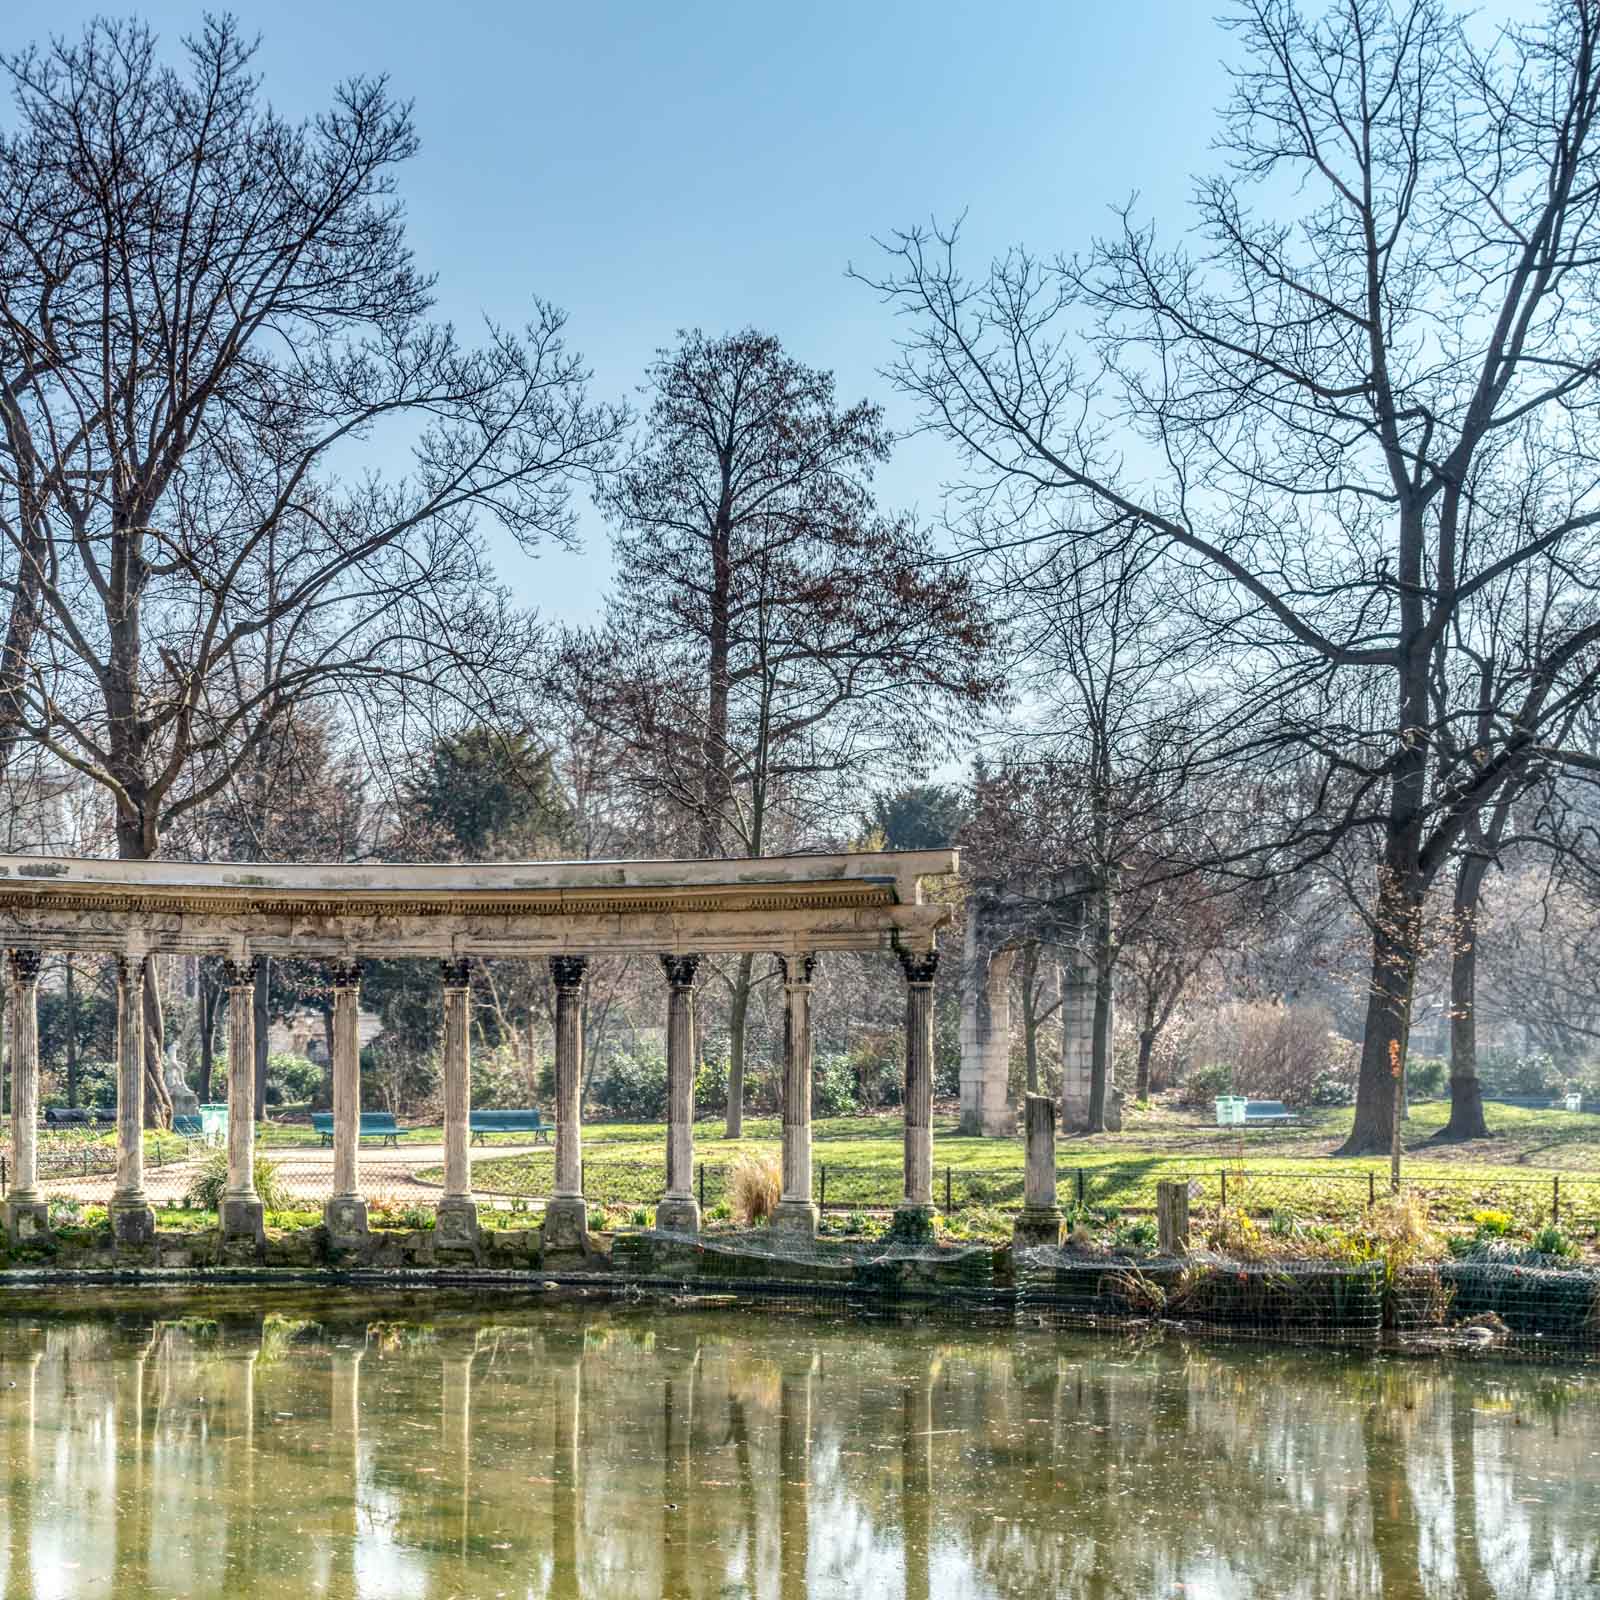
{"x":754,"y":1186}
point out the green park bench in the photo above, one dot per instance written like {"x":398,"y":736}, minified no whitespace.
{"x":482,"y":1122}
{"x":1260,"y":1111}
{"x":374,"y":1125}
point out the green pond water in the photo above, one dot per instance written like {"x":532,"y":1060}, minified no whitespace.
{"x":400,"y":1447}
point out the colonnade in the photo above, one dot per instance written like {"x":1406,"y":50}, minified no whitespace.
{"x":565,"y":1226}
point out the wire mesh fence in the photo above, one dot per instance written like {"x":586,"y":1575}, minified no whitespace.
{"x":82,"y":1165}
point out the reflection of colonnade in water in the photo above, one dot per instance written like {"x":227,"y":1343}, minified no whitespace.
{"x":695,"y":1459}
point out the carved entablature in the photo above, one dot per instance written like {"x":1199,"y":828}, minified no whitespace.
{"x":785,"y":904}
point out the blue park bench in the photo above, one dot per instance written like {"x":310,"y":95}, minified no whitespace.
{"x":482,"y":1122}
{"x":1259,"y":1111}
{"x":374,"y":1125}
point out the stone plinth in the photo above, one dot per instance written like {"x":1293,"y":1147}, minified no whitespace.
{"x":455,"y":1225}
{"x":133,"y":1224}
{"x":795,"y":1217}
{"x":345,"y":1217}
{"x":1040,"y":1220}
{"x":242,"y":1221}
{"x":566,"y":1227}
{"x":675,"y":1214}
{"x":27,"y":1221}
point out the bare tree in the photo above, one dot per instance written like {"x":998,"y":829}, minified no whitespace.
{"x":203,"y":307}
{"x":1302,"y":408}
{"x":773,"y":637}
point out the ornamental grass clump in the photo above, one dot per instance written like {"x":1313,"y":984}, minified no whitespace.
{"x":754,"y":1187}
{"x":206,"y":1187}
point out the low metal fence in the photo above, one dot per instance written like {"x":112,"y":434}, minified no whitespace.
{"x":302,"y":1177}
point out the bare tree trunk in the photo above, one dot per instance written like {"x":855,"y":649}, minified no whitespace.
{"x":157,"y":1101}
{"x":210,"y":997}
{"x":1141,"y":1080}
{"x":70,"y":995}
{"x":738,"y":1012}
{"x":1466,"y":1091}
{"x":1388,"y":1023}
{"x":259,"y":1009}
{"x":1100,"y":1072}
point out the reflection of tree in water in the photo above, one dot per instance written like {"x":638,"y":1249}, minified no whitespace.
{"x":734,"y":1455}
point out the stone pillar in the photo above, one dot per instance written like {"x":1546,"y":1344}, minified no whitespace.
{"x":796,"y":1213}
{"x":678,"y":1209}
{"x":133,"y":1223}
{"x":345,"y":1214}
{"x":985,"y":1038}
{"x":916,"y":1485}
{"x":566,"y":1217}
{"x":457,"y":1224}
{"x":913,"y":1220}
{"x":1077,"y":1050}
{"x":455,"y":1408}
{"x":344,"y":1464}
{"x":27,"y":1215}
{"x":1040,"y":1219}
{"x":241,"y":1213}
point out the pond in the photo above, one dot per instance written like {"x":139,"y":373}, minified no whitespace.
{"x":394,"y":1447}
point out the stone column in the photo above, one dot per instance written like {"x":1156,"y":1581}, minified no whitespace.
{"x":916,"y":1485}
{"x":985,"y":1038}
{"x":796,"y":1212}
{"x":133,"y":1223}
{"x":566,"y":1217}
{"x":344,"y":1464}
{"x":457,"y":1223}
{"x":1040,"y":1219}
{"x":345,"y":1214}
{"x":241,"y":1214}
{"x":913,"y":1220}
{"x":1077,"y":1049}
{"x":27,"y":1214}
{"x":678,"y":1209}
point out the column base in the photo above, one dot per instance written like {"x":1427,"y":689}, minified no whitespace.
{"x":27,"y":1220}
{"x":133,"y":1223}
{"x":1037,"y":1227}
{"x":345,"y":1218}
{"x":677,"y":1214}
{"x":241,"y":1220}
{"x":912,"y":1227}
{"x":456,"y":1224}
{"x":796,"y":1217}
{"x":566,"y":1226}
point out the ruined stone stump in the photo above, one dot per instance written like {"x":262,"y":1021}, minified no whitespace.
{"x":345,"y":1218}
{"x":1040,"y":1220}
{"x":1172,"y":1217}
{"x":797,"y":1218}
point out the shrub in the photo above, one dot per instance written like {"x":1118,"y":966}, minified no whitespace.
{"x":1136,"y":1237}
{"x":1426,"y":1076}
{"x":1280,"y":1052}
{"x":1204,"y":1084}
{"x":754,"y":1187}
{"x":711,"y":1087}
{"x":292,"y":1079}
{"x":833,"y":1086}
{"x":207,"y":1185}
{"x":632,"y":1087}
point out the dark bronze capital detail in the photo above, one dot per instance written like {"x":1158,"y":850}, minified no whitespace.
{"x":566,"y":972}
{"x":130,"y":970}
{"x":25,"y":965}
{"x":796,"y":969}
{"x":346,"y":974}
{"x":919,"y":965}
{"x":680,"y":970}
{"x":457,"y":974}
{"x":241,"y":974}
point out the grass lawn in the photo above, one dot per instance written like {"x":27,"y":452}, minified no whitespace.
{"x":1287,"y":1168}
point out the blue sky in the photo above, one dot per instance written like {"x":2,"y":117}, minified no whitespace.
{"x":650,"y":167}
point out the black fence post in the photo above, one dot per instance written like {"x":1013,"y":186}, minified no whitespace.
{"x":947,"y":1205}
{"x":1372,"y":1187}
{"x":2,"y":1175}
{"x":822,"y":1189}
{"x":1224,"y":1188}
{"x":1555,"y":1201}
{"x":1081,"y":1187}
{"x":702,"y":1178}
